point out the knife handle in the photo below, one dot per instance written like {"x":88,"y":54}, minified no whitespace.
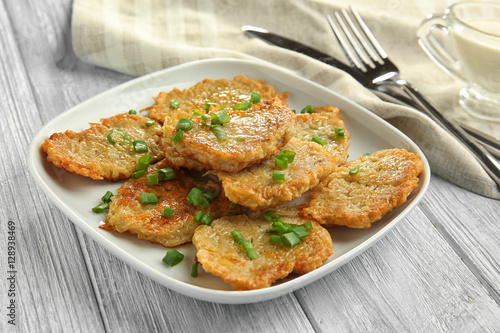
{"x":487,"y":160}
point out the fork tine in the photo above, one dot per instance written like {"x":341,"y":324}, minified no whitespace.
{"x":356,"y":42}
{"x":345,"y":44}
{"x":376,"y":45}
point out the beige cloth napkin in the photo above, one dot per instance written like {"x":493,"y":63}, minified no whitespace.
{"x":139,"y":37}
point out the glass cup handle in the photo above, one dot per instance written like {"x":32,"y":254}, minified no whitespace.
{"x":434,"y":48}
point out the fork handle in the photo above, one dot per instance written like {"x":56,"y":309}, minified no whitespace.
{"x":487,"y":160}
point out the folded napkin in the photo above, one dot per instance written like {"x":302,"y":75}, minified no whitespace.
{"x":139,"y":37}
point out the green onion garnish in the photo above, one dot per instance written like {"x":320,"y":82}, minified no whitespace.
{"x":100,"y":208}
{"x":208,"y":104}
{"x":196,"y":113}
{"x":275,"y":239}
{"x":278,"y":175}
{"x":197,"y":198}
{"x":245,"y":244}
{"x":354,"y":170}
{"x":140,"y":146}
{"x":138,"y":173}
{"x":255,"y":97}
{"x":153,"y":179}
{"x":167,"y":212}
{"x":243,"y":106}
{"x":199,"y":214}
{"x":149,"y":198}
{"x":220,"y":117}
{"x":307,"y":109}
{"x":132,"y":112}
{"x":219,"y":133}
{"x":339,"y":133}
{"x":174,"y":103}
{"x":143,"y":163}
{"x":173,"y":257}
{"x":232,"y":205}
{"x":194,"y":270}
{"x":210,"y":194}
{"x":318,"y":140}
{"x":166,"y":174}
{"x":178,"y":136}
{"x":280,"y":227}
{"x":281,"y":162}
{"x":308,"y":225}
{"x":301,"y":231}
{"x":107,"y":196}
{"x":111,"y":139}
{"x":150,"y":123}
{"x":290,"y":239}
{"x":206,"y":219}
{"x":290,"y":155}
{"x":271,"y":216}
{"x":184,"y":124}
{"x":241,"y":138}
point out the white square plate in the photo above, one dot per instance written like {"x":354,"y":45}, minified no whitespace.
{"x":76,"y":195}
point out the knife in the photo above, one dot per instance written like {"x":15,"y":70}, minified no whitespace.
{"x":383,"y":92}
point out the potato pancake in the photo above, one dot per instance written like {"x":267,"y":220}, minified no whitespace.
{"x":251,"y":135}
{"x":222,"y":92}
{"x":127,"y":213}
{"x":220,"y":255}
{"x":89,"y":152}
{"x":255,"y":188}
{"x":362,"y":191}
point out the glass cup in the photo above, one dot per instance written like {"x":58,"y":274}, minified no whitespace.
{"x":474,"y":31}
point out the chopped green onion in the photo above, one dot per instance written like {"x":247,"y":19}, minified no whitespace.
{"x":173,"y":257}
{"x":140,"y":146}
{"x":290,"y":155}
{"x":100,"y":208}
{"x":255,"y":97}
{"x":204,"y":118}
{"x":166,"y":174}
{"x":132,"y":112}
{"x":196,"y":113}
{"x":197,"y":198}
{"x":280,"y":227}
{"x":194,"y":270}
{"x":308,"y":225}
{"x":150,"y":123}
{"x":153,"y":179}
{"x":318,"y":140}
{"x":199,"y":214}
{"x":301,"y":231}
{"x":138,"y":173}
{"x":174,"y":103}
{"x":219,"y":133}
{"x":307,"y":109}
{"x":354,"y":170}
{"x":241,"y":138}
{"x":178,"y":136}
{"x":111,"y":139}
{"x":167,"y":212}
{"x":107,"y":196}
{"x":243,"y":106}
{"x":210,"y":194}
{"x":290,"y":239}
{"x":184,"y":124}
{"x":232,"y":205}
{"x":275,"y":239}
{"x":143,"y":163}
{"x":245,"y":244}
{"x":149,"y":198}
{"x":206,"y":219}
{"x":366,"y":154}
{"x":281,"y":162}
{"x":208,"y":104}
{"x":278,"y":175}
{"x":339,"y":133}
{"x":220,"y":117}
{"x":271,"y":216}
{"x":238,"y":238}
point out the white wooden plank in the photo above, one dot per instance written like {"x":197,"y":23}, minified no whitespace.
{"x":411,"y":281}
{"x":50,"y":273}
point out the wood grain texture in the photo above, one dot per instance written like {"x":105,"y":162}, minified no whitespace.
{"x":438,"y":271}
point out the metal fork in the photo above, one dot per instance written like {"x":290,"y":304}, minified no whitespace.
{"x":366,"y":55}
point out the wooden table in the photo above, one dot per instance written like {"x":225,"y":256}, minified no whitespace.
{"x":438,"y":271}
